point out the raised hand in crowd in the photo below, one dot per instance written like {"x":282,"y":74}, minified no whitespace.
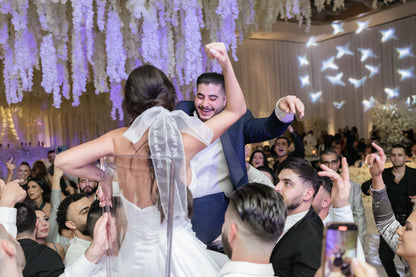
{"x":362,"y":269}
{"x":11,"y":193}
{"x":341,"y":188}
{"x":10,"y":168}
{"x":376,"y":162}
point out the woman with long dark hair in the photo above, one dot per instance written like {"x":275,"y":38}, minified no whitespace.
{"x":39,"y":191}
{"x":157,"y":130}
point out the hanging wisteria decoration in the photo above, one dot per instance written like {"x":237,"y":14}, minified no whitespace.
{"x":74,"y":42}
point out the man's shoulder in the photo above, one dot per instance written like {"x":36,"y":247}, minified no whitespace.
{"x":355,"y":186}
{"x":312,"y":218}
{"x":411,"y":169}
{"x":311,"y":223}
{"x":36,"y":251}
{"x":387,"y":172}
{"x":186,"y":106}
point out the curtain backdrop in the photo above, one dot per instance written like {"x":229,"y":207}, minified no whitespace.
{"x":267,"y":70}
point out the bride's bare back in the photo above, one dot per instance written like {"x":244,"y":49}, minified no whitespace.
{"x":134,"y":170}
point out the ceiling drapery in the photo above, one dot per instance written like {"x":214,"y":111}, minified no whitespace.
{"x":79,"y":41}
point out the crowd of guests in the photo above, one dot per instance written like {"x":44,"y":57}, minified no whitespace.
{"x":249,"y":218}
{"x":51,"y":194}
{"x":346,"y":142}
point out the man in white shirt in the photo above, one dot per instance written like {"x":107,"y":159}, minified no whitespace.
{"x":72,"y":214}
{"x":254,"y":220}
{"x":309,"y":139}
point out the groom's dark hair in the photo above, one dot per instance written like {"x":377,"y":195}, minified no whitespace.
{"x":211,"y":78}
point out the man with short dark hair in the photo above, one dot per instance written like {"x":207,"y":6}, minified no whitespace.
{"x":282,"y":145}
{"x":40,"y":259}
{"x":254,"y":220}
{"x":220,"y":168}
{"x":322,"y":205}
{"x":88,"y":186}
{"x":94,"y":214}
{"x":72,"y":214}
{"x":331,"y":159}
{"x":400,"y":181}
{"x":298,"y":250}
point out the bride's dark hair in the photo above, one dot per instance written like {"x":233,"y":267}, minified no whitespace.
{"x":147,"y":87}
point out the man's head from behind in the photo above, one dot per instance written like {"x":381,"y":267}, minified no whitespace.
{"x":25,"y":219}
{"x":298,"y":183}
{"x":94,"y":214}
{"x":254,"y":220}
{"x":12,"y":258}
{"x":322,"y":200}
{"x":330,"y":159}
{"x":72,"y":213}
{"x":210,"y":96}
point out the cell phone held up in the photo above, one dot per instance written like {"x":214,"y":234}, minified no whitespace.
{"x":61,"y":149}
{"x":340,"y":246}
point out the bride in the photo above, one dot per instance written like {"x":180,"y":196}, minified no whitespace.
{"x":157,"y":130}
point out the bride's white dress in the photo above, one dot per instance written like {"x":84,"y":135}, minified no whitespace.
{"x":143,"y":250}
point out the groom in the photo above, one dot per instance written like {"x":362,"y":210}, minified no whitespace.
{"x":220,"y":168}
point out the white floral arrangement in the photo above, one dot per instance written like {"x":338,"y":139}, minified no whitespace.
{"x":391,"y":120}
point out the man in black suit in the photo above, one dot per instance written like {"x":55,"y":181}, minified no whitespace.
{"x":220,"y":168}
{"x":298,"y":250}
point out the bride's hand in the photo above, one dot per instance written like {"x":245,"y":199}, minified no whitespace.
{"x":217,"y":51}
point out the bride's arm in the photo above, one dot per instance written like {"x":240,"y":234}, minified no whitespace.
{"x":236,"y":105}
{"x":234,"y":109}
{"x":78,"y":161}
